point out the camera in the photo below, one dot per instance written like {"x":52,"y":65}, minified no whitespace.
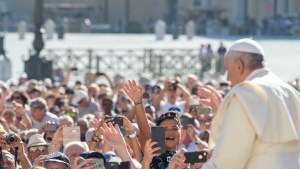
{"x":11,"y":138}
{"x":173,"y":86}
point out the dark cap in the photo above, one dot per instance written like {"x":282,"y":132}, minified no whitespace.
{"x":59,"y":158}
{"x":168,"y":115}
{"x":92,"y":154}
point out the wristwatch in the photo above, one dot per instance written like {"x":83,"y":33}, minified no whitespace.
{"x":133,"y":135}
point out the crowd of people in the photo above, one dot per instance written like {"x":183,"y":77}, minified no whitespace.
{"x":117,"y":120}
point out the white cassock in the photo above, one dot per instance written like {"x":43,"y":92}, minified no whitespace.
{"x":257,"y":126}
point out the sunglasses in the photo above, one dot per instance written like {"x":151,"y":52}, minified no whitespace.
{"x":39,"y":148}
{"x":15,"y":97}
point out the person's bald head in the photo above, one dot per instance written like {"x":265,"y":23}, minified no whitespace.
{"x":243,"y":57}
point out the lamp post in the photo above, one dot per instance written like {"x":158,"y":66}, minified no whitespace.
{"x":173,"y":15}
{"x":127,"y":15}
{"x":35,"y":66}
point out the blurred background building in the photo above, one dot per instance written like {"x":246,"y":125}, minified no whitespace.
{"x":139,"y":16}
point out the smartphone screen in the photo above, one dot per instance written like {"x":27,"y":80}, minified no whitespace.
{"x":112,"y":165}
{"x":115,"y":120}
{"x":99,"y":163}
{"x":71,"y":133}
{"x":186,"y":121}
{"x":204,"y":110}
{"x":158,"y":135}
{"x":195,"y":157}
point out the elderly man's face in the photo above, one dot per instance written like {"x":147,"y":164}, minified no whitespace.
{"x":74,"y":151}
{"x":8,"y":162}
{"x":232,"y":69}
{"x":55,"y":165}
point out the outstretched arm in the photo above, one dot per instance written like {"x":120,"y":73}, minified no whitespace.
{"x":135,"y":92}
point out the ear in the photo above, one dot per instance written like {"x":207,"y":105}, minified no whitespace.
{"x":240,"y":66}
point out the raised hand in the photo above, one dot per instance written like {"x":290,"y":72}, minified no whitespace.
{"x":58,"y":135}
{"x":211,"y":95}
{"x":134,"y":91}
{"x":113,"y":136}
{"x":127,"y":125}
{"x":80,"y":163}
{"x":40,"y":160}
{"x":149,"y":152}
{"x":178,"y":160}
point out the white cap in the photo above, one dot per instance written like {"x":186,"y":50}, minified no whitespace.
{"x":247,"y":45}
{"x":79,"y":95}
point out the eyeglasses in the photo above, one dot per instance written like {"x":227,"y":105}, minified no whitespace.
{"x":15,"y":97}
{"x":39,"y":148}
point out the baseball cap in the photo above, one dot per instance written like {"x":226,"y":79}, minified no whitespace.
{"x":92,"y":154}
{"x":168,"y":115}
{"x":59,"y":158}
{"x":175,"y":108}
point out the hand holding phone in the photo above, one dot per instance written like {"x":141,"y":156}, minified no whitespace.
{"x":195,"y":157}
{"x":186,"y":121}
{"x":158,"y":135}
{"x":114,"y":120}
{"x":204,"y":110}
{"x":51,"y":127}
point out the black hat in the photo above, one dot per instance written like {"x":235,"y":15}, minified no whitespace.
{"x":168,"y":115}
{"x":59,"y":158}
{"x":92,"y":154}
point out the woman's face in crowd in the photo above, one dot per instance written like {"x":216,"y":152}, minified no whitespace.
{"x":17,"y":98}
{"x":9,"y":116}
{"x":172,"y":134}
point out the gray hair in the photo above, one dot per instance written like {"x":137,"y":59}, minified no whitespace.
{"x":76,"y":143}
{"x":251,"y":60}
{"x":39,"y":103}
{"x":68,"y":118}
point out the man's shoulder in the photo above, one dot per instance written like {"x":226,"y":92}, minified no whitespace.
{"x":51,"y":116}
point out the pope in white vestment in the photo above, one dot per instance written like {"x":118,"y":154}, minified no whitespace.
{"x":258,"y":124}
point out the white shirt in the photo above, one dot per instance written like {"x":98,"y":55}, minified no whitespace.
{"x":48,"y":117}
{"x":191,"y":148}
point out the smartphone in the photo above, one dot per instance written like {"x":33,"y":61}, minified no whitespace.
{"x":99,"y":163}
{"x":115,"y":120}
{"x":158,"y":135}
{"x":8,"y":105}
{"x":125,"y":165}
{"x":74,"y":68}
{"x":116,"y":165}
{"x":112,"y":165}
{"x":51,"y":127}
{"x":204,"y":110}
{"x":71,"y":133}
{"x":195,"y":157}
{"x":186,"y":121}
